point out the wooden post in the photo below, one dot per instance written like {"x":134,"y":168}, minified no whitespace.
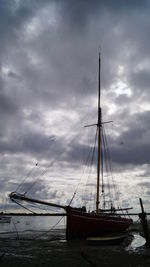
{"x":143,"y":219}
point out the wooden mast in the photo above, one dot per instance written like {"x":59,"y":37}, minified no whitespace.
{"x":99,"y":136}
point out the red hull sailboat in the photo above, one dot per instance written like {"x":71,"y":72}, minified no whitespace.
{"x":83,"y":224}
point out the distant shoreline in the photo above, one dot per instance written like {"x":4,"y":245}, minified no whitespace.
{"x":51,"y":214}
{"x":32,"y":214}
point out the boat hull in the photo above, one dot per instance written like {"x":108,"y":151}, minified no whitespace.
{"x":82,"y":224}
{"x":107,"y":239}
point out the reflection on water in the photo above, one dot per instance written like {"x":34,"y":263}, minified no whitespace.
{"x":137,"y":242}
{"x":29,"y":227}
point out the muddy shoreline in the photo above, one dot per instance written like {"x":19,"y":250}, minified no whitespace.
{"x":58,"y":253}
{"x":52,"y":250}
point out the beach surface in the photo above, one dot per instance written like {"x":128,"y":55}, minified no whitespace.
{"x":54,"y":251}
{"x":49,"y":248}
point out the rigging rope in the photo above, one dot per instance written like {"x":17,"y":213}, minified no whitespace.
{"x":43,"y":234}
{"x":15,"y":228}
{"x":51,"y":228}
{"x":44,"y":154}
{"x":86,"y":165}
{"x":106,"y":160}
{"x":92,"y":160}
{"x":23,"y":206}
{"x":110,"y":166}
{"x":49,"y":165}
{"x":29,"y":173}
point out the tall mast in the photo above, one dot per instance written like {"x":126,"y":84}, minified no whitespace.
{"x":99,"y":135}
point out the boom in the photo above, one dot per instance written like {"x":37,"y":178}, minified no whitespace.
{"x":15,"y":196}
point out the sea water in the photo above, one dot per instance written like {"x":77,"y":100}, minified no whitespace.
{"x":31,"y":226}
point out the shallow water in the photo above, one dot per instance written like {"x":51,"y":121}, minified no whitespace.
{"x":137,"y":242}
{"x":22,"y":223}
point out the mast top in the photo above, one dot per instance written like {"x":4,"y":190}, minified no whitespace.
{"x":99,"y":84}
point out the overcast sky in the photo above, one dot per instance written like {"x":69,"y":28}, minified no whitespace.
{"x":48,"y":92}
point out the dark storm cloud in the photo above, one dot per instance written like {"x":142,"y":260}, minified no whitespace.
{"x":14,"y":75}
{"x":29,"y":143}
{"x":15,"y":13}
{"x":11,"y":20}
{"x":141,"y":79}
{"x":48,"y":80}
{"x":78,"y":12}
{"x":133,"y":144}
{"x":132,"y":155}
{"x":6,"y":105}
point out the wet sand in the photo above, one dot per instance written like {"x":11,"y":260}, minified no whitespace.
{"x":54,"y":251}
{"x":21,"y":253}
{"x":77,"y":256}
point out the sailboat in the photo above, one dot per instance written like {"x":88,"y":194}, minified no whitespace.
{"x":4,"y":218}
{"x":81,"y":223}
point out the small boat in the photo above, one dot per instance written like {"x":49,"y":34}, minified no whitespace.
{"x":80,"y":222}
{"x":5,"y":219}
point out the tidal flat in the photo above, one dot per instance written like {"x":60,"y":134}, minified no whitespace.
{"x":33,"y":247}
